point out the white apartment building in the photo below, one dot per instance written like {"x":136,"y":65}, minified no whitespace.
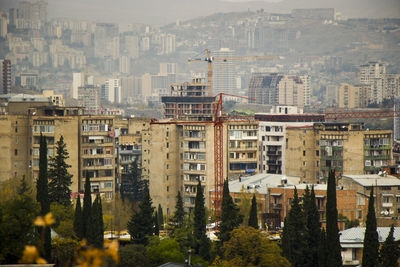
{"x":224,"y":79}
{"x":306,"y":79}
{"x":111,"y":91}
{"x":272,"y":139}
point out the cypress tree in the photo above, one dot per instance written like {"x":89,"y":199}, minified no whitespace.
{"x":334,"y":257}
{"x":160,"y":217}
{"x":87,"y":207}
{"x":78,"y":221}
{"x":253,"y":220}
{"x":230,"y":217}
{"x":371,"y":239}
{"x":140,"y":225}
{"x":322,"y":249}
{"x":156,"y":226}
{"x":179,"y":211}
{"x":201,"y":242}
{"x":313,"y":227}
{"x":42,"y":194}
{"x":390,"y":252}
{"x":93,"y":226}
{"x":293,"y":241}
{"x":100,"y":223}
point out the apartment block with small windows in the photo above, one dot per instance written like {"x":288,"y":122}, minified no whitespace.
{"x":242,"y":149}
{"x":97,"y":147}
{"x":344,"y":147}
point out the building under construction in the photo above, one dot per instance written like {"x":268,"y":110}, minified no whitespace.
{"x":188,"y":99}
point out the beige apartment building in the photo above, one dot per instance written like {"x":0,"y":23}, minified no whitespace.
{"x":347,"y":148}
{"x":354,"y":96}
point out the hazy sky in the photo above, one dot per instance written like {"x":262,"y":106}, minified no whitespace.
{"x":167,"y":11}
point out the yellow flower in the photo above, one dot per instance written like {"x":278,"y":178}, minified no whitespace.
{"x":46,"y":221}
{"x":49,"y":219}
{"x":31,"y":255}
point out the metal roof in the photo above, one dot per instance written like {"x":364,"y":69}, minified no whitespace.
{"x":374,"y":179}
{"x":354,"y":237}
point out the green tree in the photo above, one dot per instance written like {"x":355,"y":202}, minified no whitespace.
{"x":64,"y":249}
{"x":201,"y":242}
{"x":132,"y":186}
{"x":313,"y":227}
{"x":16,"y":227}
{"x":322,"y":249}
{"x":24,"y":188}
{"x":87,"y":207}
{"x":64,"y":217}
{"x":60,"y":178}
{"x":230,"y":216}
{"x":78,"y":220}
{"x":371,"y":239}
{"x":160,"y":217}
{"x":133,"y":256}
{"x":294,"y":233}
{"x":390,"y":252}
{"x":248,"y":247}
{"x":253,"y":220}
{"x":179,"y":211}
{"x":140,"y":226}
{"x":156,"y":225}
{"x":334,"y":257}
{"x":42,"y":194}
{"x":163,"y":251}
{"x":96,"y":230}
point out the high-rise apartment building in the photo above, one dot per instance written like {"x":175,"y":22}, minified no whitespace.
{"x":373,"y":74}
{"x":279,"y":89}
{"x":111,"y":91}
{"x":106,"y":40}
{"x":291,"y":91}
{"x":224,"y":79}
{"x":346,"y":148}
{"x":132,"y":45}
{"x":272,"y":135}
{"x":167,"y":44}
{"x":263,"y":88}
{"x":306,"y":79}
{"x":6,"y":76}
{"x":89,"y":98}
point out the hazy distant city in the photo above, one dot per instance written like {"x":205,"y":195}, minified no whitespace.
{"x":178,"y":98}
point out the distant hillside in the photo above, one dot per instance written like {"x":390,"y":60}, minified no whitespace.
{"x":161,"y":12}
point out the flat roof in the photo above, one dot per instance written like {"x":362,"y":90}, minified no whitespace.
{"x":351,"y":237}
{"x":374,"y":179}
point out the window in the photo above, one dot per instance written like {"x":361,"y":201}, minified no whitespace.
{"x":359,"y":214}
{"x":317,"y":153}
{"x":16,"y":152}
{"x":108,"y":151}
{"x":304,"y":163}
{"x":167,"y":145}
{"x":304,"y":142}
{"x":167,"y":166}
{"x":167,"y":188}
{"x":50,"y":152}
{"x":167,"y":177}
{"x":232,"y":155}
{"x":317,"y":163}
{"x":304,"y":153}
{"x":36,"y":151}
{"x":35,"y":162}
{"x":167,"y":155}
{"x":16,"y":129}
{"x":108,"y":161}
{"x":109,"y":184}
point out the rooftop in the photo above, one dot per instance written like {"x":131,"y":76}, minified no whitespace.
{"x":260,"y":182}
{"x":354,"y":237}
{"x":374,"y":179}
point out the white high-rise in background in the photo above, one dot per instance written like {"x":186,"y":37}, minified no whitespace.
{"x":167,"y":44}
{"x":124,"y":64}
{"x":80,"y":79}
{"x":132,"y":45}
{"x":307,"y":89}
{"x":373,"y":73}
{"x":111,"y":91}
{"x":224,"y":80}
